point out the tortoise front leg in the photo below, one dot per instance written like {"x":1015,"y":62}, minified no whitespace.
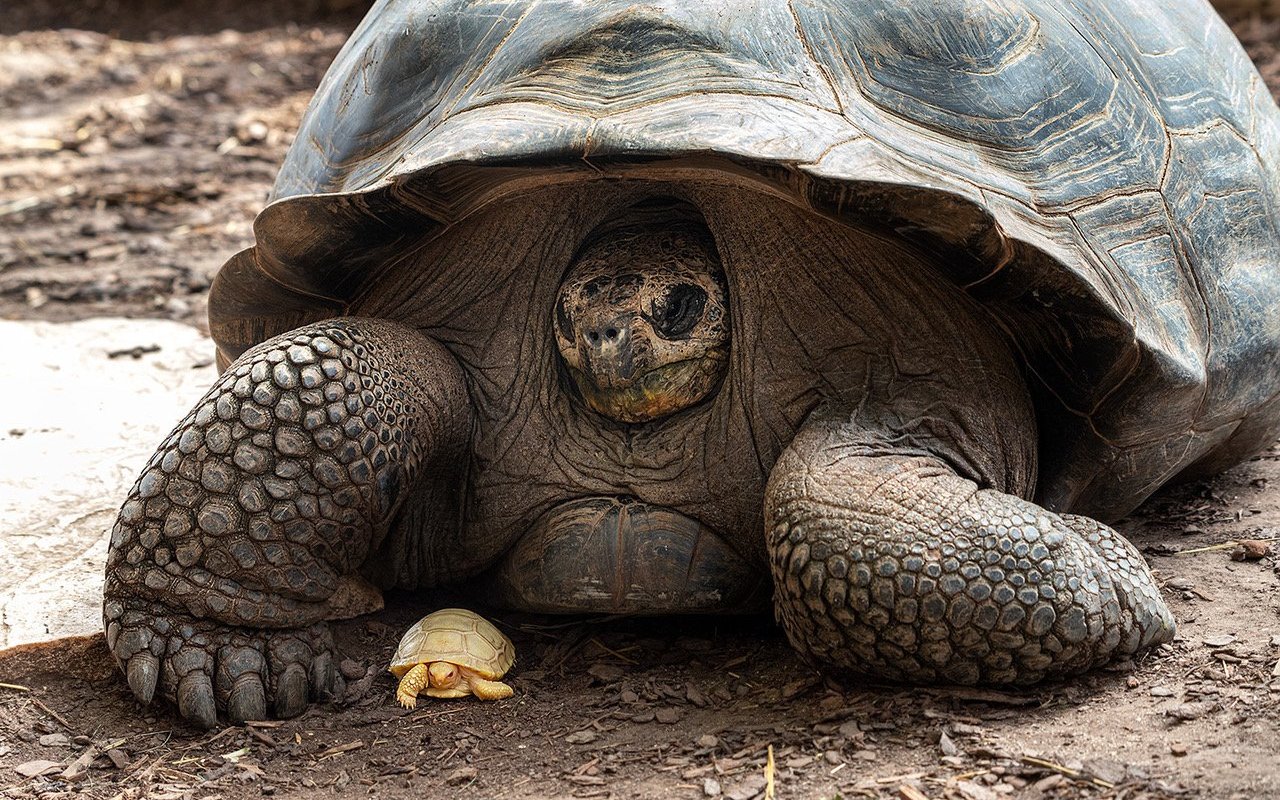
{"x":411,"y":684}
{"x":886,"y":562}
{"x":248,"y":526}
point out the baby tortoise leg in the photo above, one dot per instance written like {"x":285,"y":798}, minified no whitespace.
{"x":490,"y":690}
{"x":248,"y":527}
{"x":890,"y":564}
{"x":413,"y":682}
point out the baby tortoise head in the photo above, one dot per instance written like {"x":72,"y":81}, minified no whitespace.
{"x":642,"y":319}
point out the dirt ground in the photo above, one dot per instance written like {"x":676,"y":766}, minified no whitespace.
{"x":137,"y":140}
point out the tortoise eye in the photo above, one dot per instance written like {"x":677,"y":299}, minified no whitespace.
{"x":563,"y":325}
{"x":679,"y":311}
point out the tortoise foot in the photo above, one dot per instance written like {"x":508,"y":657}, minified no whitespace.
{"x":491,"y":690}
{"x":262,"y":513}
{"x":623,"y":556}
{"x":207,"y":668}
{"x":890,"y":564}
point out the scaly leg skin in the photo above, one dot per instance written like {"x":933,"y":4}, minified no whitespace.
{"x":412,"y":683}
{"x":490,"y":690}
{"x":887,"y":563}
{"x":247,"y":526}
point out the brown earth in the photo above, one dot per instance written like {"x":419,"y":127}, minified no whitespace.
{"x":137,"y":140}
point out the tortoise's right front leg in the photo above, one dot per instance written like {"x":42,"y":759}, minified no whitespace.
{"x":889,"y":563}
{"x":250,"y":523}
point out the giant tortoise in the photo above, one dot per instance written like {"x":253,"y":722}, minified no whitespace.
{"x":870,"y":309}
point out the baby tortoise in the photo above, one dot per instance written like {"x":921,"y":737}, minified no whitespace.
{"x":452,"y":653}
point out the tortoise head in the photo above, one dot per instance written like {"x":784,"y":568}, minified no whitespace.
{"x":443,"y":675}
{"x":642,"y":317}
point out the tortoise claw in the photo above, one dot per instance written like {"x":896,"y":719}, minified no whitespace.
{"x":241,"y":671}
{"x":323,"y":677}
{"x":291,"y":692}
{"x":143,"y":672}
{"x":207,"y":668}
{"x":195,"y":699}
{"x":248,"y":701}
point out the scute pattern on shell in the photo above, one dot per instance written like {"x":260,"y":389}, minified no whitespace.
{"x":1102,"y":173}
{"x":458,"y":636}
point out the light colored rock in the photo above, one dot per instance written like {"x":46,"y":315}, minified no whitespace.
{"x":76,"y":428}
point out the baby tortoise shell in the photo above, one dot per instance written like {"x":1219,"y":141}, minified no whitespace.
{"x":452,"y":652}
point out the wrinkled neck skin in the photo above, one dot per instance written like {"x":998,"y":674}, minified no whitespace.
{"x":823,"y":316}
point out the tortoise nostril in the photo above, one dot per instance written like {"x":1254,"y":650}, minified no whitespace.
{"x":593,"y":336}
{"x":612,"y":333}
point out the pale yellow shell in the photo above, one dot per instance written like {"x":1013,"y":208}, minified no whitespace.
{"x":458,"y":636}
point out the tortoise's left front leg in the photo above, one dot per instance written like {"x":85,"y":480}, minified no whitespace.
{"x":886,"y":562}
{"x":255,"y":519}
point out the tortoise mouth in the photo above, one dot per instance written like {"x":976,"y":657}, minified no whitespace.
{"x":654,"y":393}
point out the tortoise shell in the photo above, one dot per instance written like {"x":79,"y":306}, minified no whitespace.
{"x":458,"y":636}
{"x":1103,"y":176}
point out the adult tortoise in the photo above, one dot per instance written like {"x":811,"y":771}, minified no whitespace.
{"x":875,"y":305}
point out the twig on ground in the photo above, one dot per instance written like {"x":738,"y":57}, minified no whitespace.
{"x":53,"y":714}
{"x":1062,"y":769}
{"x":768,"y":775}
{"x":1224,"y":546}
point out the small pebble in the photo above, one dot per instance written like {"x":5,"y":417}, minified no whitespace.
{"x":1178,"y":749}
{"x":751,"y":786}
{"x":832,"y":702}
{"x":605,"y":672}
{"x":30,"y":769}
{"x":693,"y":695}
{"x":351,"y":669}
{"x":711,"y":787}
{"x":1112,"y":772}
{"x":667,"y":716}
{"x":1049,"y":783}
{"x":54,"y":740}
{"x":1186,"y":712}
{"x":1250,"y":550}
{"x":461,"y":775}
{"x":708,"y":741}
